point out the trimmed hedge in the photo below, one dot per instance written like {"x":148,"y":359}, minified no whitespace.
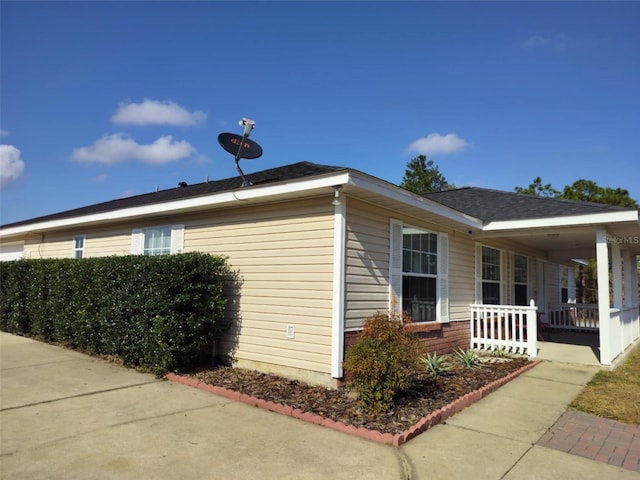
{"x":157,"y":312}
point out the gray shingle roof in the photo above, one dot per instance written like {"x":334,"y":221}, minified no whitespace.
{"x":495,"y":205}
{"x":273,"y":175}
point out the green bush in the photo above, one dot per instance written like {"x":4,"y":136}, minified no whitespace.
{"x":380,"y":364}
{"x":157,"y":312}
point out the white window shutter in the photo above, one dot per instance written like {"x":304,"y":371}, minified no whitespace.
{"x":478,"y":273}
{"x":177,"y":238}
{"x":137,"y":241}
{"x":504,"y":278}
{"x":442,"y":311}
{"x":395,"y":266}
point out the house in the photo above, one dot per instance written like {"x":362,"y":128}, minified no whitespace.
{"x":315,"y":249}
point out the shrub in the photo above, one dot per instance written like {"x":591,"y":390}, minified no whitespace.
{"x":468,"y":358}
{"x":436,"y":365}
{"x":381,"y":362}
{"x":156,"y":312}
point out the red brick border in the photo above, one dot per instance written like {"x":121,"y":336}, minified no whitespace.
{"x":398,"y":439}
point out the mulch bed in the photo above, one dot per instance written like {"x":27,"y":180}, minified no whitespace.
{"x":426,"y":394}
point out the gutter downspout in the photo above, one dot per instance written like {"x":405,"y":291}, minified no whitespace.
{"x":339,"y":254}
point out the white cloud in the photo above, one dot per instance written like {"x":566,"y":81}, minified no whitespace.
{"x":558,"y":42}
{"x":436,"y":144}
{"x":101,"y":178}
{"x":155,"y":112}
{"x":4,"y":133}
{"x":119,"y":147}
{"x":11,"y":165}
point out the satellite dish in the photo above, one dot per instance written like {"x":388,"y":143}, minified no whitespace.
{"x":239,"y":146}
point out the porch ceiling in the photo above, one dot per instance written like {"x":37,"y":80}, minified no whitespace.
{"x":565,"y":244}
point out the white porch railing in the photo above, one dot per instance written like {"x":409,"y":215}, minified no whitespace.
{"x":510,"y":327}
{"x":573,"y":316}
{"x":624,"y":320}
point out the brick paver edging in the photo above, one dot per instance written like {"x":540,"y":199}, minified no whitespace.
{"x":398,"y":439}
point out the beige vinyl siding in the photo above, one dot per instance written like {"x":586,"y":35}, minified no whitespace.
{"x":462,"y":286}
{"x":283,"y":254}
{"x":367,"y":263}
{"x":99,"y":242}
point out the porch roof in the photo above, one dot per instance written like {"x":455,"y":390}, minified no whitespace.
{"x":495,"y":205}
{"x":565,"y":229}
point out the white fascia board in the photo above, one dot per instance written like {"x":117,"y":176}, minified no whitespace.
{"x":401,"y":195}
{"x":186,"y":204}
{"x":568,"y":221}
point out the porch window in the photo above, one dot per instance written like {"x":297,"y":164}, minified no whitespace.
{"x":520,"y":280}
{"x":418,"y":273}
{"x":491,"y":278}
{"x":564,"y":284}
{"x":78,"y":246}
{"x":157,"y":240}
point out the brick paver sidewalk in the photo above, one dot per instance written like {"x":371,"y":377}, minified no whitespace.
{"x":597,"y":438}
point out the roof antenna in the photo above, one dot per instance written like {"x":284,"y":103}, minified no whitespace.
{"x":241,"y":146}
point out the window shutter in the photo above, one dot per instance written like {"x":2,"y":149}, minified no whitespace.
{"x":395,"y":266}
{"x":504,"y":278}
{"x":443,"y":278}
{"x":478,"y":273}
{"x":137,"y":241}
{"x":177,"y":238}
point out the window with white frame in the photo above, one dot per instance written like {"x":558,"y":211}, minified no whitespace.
{"x":564,"y":284}
{"x":491,"y":283}
{"x":78,"y":246}
{"x":418,"y":273}
{"x":520,"y":280}
{"x":161,"y":240}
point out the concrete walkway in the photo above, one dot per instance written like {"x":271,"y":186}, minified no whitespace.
{"x":64,"y":415}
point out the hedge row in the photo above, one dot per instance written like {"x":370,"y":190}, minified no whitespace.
{"x":157,"y":312}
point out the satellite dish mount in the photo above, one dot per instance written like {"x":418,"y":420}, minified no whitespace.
{"x":241,"y":146}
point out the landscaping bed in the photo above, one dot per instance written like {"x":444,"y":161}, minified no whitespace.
{"x":426,"y":394}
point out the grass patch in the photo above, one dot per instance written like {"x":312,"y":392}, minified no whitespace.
{"x":614,"y":393}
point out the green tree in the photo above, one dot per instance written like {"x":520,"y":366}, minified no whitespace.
{"x":582,"y":190}
{"x":538,"y":189}
{"x":423,"y":176}
{"x":590,"y":191}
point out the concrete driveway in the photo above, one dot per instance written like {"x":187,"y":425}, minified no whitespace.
{"x":64,"y":415}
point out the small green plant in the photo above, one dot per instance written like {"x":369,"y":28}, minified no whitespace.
{"x":380,"y":364}
{"x":500,"y":352}
{"x":468,"y":358}
{"x":436,"y":365}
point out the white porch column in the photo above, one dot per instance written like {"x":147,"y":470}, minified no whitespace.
{"x":602,"y":259}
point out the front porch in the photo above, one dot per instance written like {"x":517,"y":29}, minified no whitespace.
{"x":570,"y":332}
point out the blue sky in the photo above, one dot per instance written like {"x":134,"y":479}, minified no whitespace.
{"x":105,"y":100}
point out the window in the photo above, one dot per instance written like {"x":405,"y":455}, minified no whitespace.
{"x":419,"y":274}
{"x":520,"y":280}
{"x":491,"y":277}
{"x":418,"y":270}
{"x":78,"y":246}
{"x":564,"y":284}
{"x":157,"y":240}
